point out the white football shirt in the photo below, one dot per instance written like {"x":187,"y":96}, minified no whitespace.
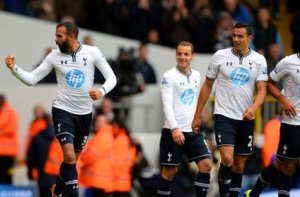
{"x":288,"y":71}
{"x":179,"y":93}
{"x":235,"y":80}
{"x":75,"y":76}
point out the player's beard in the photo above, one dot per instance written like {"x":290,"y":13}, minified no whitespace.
{"x":63,"y":47}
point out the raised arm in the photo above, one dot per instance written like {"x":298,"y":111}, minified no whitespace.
{"x":28,"y":78}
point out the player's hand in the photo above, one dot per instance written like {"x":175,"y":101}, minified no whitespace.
{"x":196,"y":124}
{"x":178,"y":137}
{"x":289,"y":108}
{"x":248,"y":114}
{"x":95,"y":94}
{"x":10,"y":61}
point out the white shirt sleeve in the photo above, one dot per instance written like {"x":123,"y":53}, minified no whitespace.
{"x":31,"y":78}
{"x":167,"y":100}
{"x":107,"y":72}
{"x":279,"y":71}
{"x":263,"y":70}
{"x":213,"y":67}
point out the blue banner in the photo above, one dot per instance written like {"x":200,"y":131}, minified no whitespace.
{"x":17,"y":191}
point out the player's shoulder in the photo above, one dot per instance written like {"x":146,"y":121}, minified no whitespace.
{"x":170,"y":71}
{"x":195,"y":72}
{"x":90,"y":48}
{"x":292,"y":58}
{"x":222,"y":52}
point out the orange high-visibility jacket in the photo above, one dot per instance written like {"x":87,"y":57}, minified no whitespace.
{"x":107,"y":161}
{"x":271,"y":140}
{"x":35,"y":127}
{"x":9,"y":136}
{"x":55,"y":158}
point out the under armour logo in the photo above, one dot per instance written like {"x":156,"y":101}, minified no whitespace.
{"x":169,"y":156}
{"x":228,"y":63}
{"x":63,"y":62}
{"x":284,"y":149}
{"x":250,"y":63}
{"x":298,"y":70}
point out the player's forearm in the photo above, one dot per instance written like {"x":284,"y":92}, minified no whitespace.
{"x":203,"y":97}
{"x":260,"y":97}
{"x":26,"y":77}
{"x":275,"y":92}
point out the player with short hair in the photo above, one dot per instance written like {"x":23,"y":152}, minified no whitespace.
{"x":179,"y":88}
{"x":288,"y":151}
{"x":74,"y":66}
{"x":237,"y":70}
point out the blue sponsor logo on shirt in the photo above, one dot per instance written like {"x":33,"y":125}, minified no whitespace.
{"x":75,"y":78}
{"x":240,"y":76}
{"x":187,"y":97}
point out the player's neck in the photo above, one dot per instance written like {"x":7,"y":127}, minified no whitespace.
{"x":242,"y":52}
{"x":74,"y":47}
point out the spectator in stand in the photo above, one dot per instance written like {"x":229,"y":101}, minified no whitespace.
{"x":265,"y":32}
{"x":177,"y":24}
{"x":141,"y":18}
{"x":88,"y":40}
{"x":108,"y":159}
{"x":153,"y":36}
{"x":107,"y":109}
{"x":39,"y":123}
{"x":204,"y":26}
{"x":295,"y":30}
{"x":275,"y":7}
{"x":223,"y":31}
{"x":16,"y":6}
{"x":143,"y":65}
{"x":43,"y":9}
{"x":9,"y":140}
{"x":106,"y":16}
{"x":38,"y":150}
{"x":238,"y":11}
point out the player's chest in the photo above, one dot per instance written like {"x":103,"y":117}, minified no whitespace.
{"x":184,"y":82}
{"x":237,"y":69}
{"x":80,"y":63}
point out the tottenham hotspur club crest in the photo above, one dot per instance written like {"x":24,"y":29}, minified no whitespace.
{"x":84,"y":59}
{"x":169,"y":157}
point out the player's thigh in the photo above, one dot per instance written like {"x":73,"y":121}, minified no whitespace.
{"x":196,"y":147}
{"x":170,"y":152}
{"x":83,"y":126}
{"x":289,"y":142}
{"x":225,"y":130}
{"x":244,"y":140}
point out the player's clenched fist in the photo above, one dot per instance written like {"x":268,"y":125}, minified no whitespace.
{"x":95,"y":93}
{"x":10,"y":61}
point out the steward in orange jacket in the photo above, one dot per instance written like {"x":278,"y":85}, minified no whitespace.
{"x":9,"y":140}
{"x":39,"y":124}
{"x":107,"y":160}
{"x":54,"y":159}
{"x":271,"y":139}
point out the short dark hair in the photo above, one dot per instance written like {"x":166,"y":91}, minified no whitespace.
{"x":248,"y":28}
{"x":186,"y":43}
{"x":70,"y":27}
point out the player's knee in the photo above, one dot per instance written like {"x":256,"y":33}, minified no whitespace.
{"x":204,"y":165}
{"x":169,"y":172}
{"x":227,"y":160}
{"x":69,"y":156}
